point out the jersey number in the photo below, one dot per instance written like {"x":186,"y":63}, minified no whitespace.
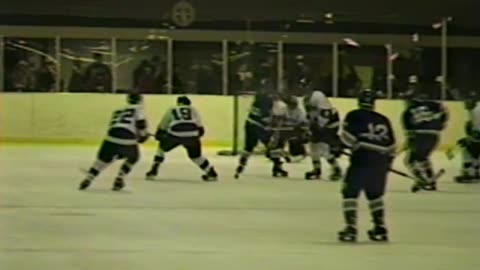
{"x":377,"y":132}
{"x":182,"y":114}
{"x":123,"y":117}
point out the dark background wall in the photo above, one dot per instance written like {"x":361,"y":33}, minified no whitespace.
{"x":420,"y":12}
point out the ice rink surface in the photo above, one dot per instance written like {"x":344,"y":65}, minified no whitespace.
{"x":180,"y":222}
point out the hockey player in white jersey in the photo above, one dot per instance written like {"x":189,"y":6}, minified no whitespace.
{"x":181,"y":125}
{"x":297,"y":120}
{"x":324,"y":142}
{"x":288,"y":122}
{"x":470,"y":144}
{"x":127,"y":128}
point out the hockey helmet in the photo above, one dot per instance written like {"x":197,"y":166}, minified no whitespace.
{"x":291,"y":101}
{"x":183,"y":100}
{"x":471,"y":100}
{"x":366,"y":99}
{"x":134,"y":98}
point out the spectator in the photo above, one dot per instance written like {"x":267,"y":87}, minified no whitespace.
{"x":98,"y":75}
{"x":46,"y":76}
{"x":76,"y":78}
{"x":140,"y":71}
{"x":159,"y":67}
{"x":146,"y":80}
{"x":22,"y":77}
{"x":348,"y":82}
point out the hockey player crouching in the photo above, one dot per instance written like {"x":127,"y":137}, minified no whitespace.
{"x":324,"y":142}
{"x":127,"y":128}
{"x":471,"y":143}
{"x":370,"y":138}
{"x":181,"y":125}
{"x":288,"y":123}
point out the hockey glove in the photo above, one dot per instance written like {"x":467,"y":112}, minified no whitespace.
{"x":143,"y":139}
{"x":160,"y":135}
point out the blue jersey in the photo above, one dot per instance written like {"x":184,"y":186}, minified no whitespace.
{"x":367,"y":131}
{"x":424,"y":117}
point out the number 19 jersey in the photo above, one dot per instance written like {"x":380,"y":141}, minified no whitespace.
{"x":127,"y":125}
{"x":182,"y":122}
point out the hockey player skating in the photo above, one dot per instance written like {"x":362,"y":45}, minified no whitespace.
{"x":423,"y":121}
{"x":370,"y":138}
{"x":181,"y":125}
{"x":127,"y":128}
{"x":470,"y":144}
{"x":256,"y":128}
{"x":324,"y":123}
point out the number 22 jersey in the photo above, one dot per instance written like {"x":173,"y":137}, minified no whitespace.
{"x":127,"y":125}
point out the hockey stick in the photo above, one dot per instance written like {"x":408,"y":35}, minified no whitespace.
{"x":404,"y":174}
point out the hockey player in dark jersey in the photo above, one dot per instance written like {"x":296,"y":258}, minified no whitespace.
{"x":256,"y":128}
{"x":470,"y":144}
{"x":182,"y":126}
{"x":127,"y":128}
{"x":370,"y":138}
{"x":324,"y":124}
{"x":423,"y":121}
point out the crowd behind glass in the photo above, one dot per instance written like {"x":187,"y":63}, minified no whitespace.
{"x":117,"y":66}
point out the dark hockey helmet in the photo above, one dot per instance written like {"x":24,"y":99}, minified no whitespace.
{"x":183,"y":100}
{"x":291,"y":101}
{"x":471,"y":100}
{"x":366,"y":99}
{"x":134,"y":98}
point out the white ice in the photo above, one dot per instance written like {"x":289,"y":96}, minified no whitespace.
{"x":182,"y":223}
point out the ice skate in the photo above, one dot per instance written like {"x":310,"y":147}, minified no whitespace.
{"x":278,"y":171}
{"x":465,"y":179}
{"x":349,"y":234}
{"x":85,"y":184}
{"x":336,"y":174}
{"x":378,"y":234}
{"x":238,"y":171}
{"x":211,"y":176}
{"x":118,"y":185}
{"x":314,"y":174}
{"x":150,"y":175}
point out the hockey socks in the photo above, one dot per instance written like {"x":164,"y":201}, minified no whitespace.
{"x":97,"y":167}
{"x":204,"y":164}
{"x":242,"y":163}
{"x":349,"y":234}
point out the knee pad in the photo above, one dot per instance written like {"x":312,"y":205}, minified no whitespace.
{"x":133,"y":159}
{"x":372,"y":196}
{"x":350,"y":191}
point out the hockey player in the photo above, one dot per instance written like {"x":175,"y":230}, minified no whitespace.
{"x":256,"y":128}
{"x":297,"y":120}
{"x":470,"y":144}
{"x":370,"y":138}
{"x":181,"y":125}
{"x":288,"y":123}
{"x":127,"y":128}
{"x":423,"y":121}
{"x":324,"y":143}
